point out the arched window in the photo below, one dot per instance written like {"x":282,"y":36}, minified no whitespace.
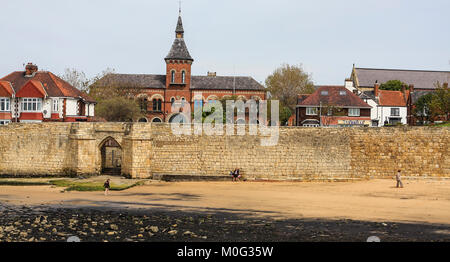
{"x":172,"y":77}
{"x":157,"y":104}
{"x":172,"y":100}
{"x":156,"y":120}
{"x":143,"y":104}
{"x":183,"y":77}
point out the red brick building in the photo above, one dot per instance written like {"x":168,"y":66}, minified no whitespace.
{"x":41,"y":96}
{"x":332,"y":106}
{"x":159,"y":92}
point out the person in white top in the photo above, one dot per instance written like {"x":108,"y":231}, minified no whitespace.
{"x":399,"y":179}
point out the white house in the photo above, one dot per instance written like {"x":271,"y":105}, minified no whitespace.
{"x":388,"y":107}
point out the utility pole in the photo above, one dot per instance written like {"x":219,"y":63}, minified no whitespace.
{"x":320,"y":114}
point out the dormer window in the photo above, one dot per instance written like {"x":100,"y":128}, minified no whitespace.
{"x":324,"y":93}
{"x":172,"y":77}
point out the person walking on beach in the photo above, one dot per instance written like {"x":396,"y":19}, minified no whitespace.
{"x":107,"y":186}
{"x":399,"y":179}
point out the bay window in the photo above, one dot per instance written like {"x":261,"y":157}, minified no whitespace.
{"x":353,"y":112}
{"x":311,"y":111}
{"x":31,"y":105}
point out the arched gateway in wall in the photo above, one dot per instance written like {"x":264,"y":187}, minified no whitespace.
{"x":111,"y":157}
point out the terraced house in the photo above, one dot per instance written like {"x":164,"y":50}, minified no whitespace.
{"x":41,"y":96}
{"x":157,"y":93}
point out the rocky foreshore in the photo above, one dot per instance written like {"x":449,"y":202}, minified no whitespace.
{"x":50,"y":224}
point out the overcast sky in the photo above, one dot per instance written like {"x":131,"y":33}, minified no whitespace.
{"x":245,"y":37}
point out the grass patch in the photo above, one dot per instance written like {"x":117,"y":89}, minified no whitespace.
{"x":89,"y":186}
{"x":22,"y":183}
{"x":69,"y":185}
{"x":444,"y":124}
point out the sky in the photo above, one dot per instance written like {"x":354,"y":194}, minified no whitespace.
{"x":232,"y":37}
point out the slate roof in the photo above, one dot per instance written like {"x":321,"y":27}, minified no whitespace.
{"x":367,"y":95}
{"x":334,"y":98}
{"x":421,"y":79}
{"x":179,"y":28}
{"x":197,"y":82}
{"x":225,"y":83}
{"x":53,"y":85}
{"x":133,"y":80}
{"x":179,"y":51}
{"x":418,"y":94}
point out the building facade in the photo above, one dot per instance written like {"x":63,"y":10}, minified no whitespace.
{"x":333,"y":106}
{"x":393,"y":107}
{"x":158,"y":93}
{"x":41,"y":96}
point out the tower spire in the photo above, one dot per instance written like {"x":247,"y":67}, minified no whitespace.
{"x":179,"y":31}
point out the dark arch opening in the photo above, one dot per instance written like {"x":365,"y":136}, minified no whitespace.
{"x":156,"y":120}
{"x":143,"y":120}
{"x":111,"y":154}
{"x":178,"y":118}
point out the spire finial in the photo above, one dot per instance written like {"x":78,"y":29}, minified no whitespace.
{"x":179,"y":10}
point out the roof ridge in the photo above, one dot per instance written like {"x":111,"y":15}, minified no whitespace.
{"x":409,"y":70}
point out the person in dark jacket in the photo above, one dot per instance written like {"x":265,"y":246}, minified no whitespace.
{"x":107,"y":186}
{"x":236,"y":174}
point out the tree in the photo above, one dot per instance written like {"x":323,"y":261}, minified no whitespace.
{"x":393,"y":85}
{"x":434,"y":105}
{"x":116,"y":101}
{"x":287,"y":82}
{"x":441,"y":100}
{"x":118,"y":109}
{"x":76,"y":78}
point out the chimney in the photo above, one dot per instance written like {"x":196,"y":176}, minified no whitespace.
{"x":376,"y":89}
{"x":30,"y":69}
{"x":403,"y":89}
{"x":212,"y":73}
{"x":411,"y":88}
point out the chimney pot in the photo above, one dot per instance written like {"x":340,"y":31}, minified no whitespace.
{"x":30,"y":69}
{"x":212,"y":73}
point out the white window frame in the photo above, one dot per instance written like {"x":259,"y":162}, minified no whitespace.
{"x":5,"y":103}
{"x":4,"y":122}
{"x":351,"y":112}
{"x":172,"y":76}
{"x":309,"y":109}
{"x":30,"y":102}
{"x":397,"y":109}
{"x":183,"y":77}
{"x":55,"y":105}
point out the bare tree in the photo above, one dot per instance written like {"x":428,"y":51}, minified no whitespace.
{"x":286,"y":82}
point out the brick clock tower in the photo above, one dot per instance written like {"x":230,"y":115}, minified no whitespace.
{"x":178,"y":69}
